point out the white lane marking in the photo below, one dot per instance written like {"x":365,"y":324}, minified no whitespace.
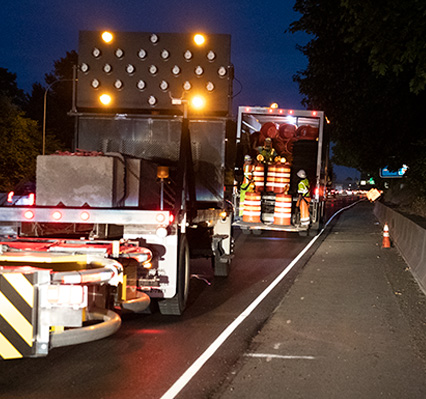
{"x":210,"y":351}
{"x":272,"y":356}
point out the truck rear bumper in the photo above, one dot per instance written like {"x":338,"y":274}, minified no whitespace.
{"x":263,"y":226}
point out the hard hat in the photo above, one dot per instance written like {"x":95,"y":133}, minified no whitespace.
{"x":247,"y":158}
{"x":301,"y":173}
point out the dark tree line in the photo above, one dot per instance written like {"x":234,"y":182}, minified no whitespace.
{"x":367,"y":71}
{"x":21,"y":121}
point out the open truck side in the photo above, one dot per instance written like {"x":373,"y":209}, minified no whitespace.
{"x":298,"y":138}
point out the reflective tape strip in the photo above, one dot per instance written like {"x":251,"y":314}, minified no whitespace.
{"x":16,"y":320}
{"x":251,"y":213}
{"x":283,"y":204}
{"x":252,"y":203}
{"x":7,"y":350}
{"x":22,"y":286}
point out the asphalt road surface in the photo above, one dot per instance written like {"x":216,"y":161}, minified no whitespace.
{"x":150,"y":352}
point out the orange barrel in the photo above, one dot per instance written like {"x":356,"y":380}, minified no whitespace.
{"x":282,"y":213}
{"x":287,"y":131}
{"x":252,"y":208}
{"x":259,"y":177}
{"x":307,"y":132}
{"x":282,"y":179}
{"x":270,"y":179}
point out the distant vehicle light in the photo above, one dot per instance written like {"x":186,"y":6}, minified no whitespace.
{"x":10,"y":196}
{"x":107,"y":37}
{"x":31,"y":199}
{"x":171,"y":218}
{"x":314,"y":113}
{"x":274,"y":105}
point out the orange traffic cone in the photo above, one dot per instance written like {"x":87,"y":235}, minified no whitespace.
{"x":386,"y":239}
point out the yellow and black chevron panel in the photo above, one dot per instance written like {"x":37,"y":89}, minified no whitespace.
{"x":17,"y":315}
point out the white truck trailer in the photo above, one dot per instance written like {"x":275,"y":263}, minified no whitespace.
{"x":144,"y":196}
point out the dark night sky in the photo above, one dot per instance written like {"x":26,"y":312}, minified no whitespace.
{"x":38,"y":32}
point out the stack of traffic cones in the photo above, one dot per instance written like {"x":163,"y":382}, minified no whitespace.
{"x":386,"y":239}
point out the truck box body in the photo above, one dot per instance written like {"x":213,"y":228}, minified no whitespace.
{"x":297,"y":137}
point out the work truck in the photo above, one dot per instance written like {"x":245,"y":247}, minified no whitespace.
{"x":269,"y":199}
{"x":116,"y":222}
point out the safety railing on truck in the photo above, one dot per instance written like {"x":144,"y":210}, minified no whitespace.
{"x":42,"y":309}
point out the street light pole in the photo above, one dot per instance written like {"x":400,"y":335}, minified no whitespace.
{"x":44,"y":108}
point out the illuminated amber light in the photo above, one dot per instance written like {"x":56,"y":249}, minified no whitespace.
{"x":105,"y":99}
{"x":198,"y":102}
{"x":107,"y":37}
{"x":199,"y":39}
{"x":274,"y":105}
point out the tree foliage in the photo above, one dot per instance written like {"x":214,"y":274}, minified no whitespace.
{"x":376,"y":118}
{"x":19,"y":141}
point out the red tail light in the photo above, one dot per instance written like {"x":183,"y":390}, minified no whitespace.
{"x":29,"y":215}
{"x":31,"y":199}
{"x":10,"y":196}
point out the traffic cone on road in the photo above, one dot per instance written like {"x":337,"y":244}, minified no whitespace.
{"x":386,"y":239}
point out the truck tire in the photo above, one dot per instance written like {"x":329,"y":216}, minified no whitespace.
{"x":176,"y":305}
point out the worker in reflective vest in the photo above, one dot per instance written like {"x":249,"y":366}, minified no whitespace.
{"x":267,"y":153}
{"x":303,"y":190}
{"x":248,"y":181}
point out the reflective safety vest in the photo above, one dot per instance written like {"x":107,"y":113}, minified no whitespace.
{"x":303,"y":188}
{"x":248,"y":176}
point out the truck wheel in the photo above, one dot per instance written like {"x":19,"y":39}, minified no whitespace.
{"x":176,"y":305}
